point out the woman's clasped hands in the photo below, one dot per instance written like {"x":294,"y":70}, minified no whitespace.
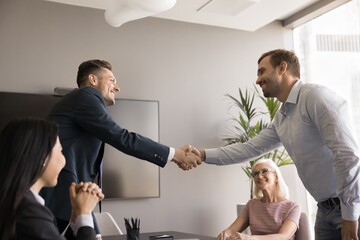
{"x":84,"y":197}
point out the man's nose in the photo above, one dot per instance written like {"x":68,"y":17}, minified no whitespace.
{"x":117,"y":89}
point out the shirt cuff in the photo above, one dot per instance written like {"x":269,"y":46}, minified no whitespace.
{"x":171,"y":154}
{"x":350,"y":213}
{"x":83,"y":220}
{"x":211,"y":156}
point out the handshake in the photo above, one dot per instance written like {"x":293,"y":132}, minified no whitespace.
{"x":188,"y":157}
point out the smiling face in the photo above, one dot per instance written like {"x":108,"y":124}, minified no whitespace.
{"x":265,"y":181}
{"x":268,"y":78}
{"x":54,"y":163}
{"x":105,"y":83}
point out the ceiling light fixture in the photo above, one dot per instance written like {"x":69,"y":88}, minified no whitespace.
{"x":119,"y":12}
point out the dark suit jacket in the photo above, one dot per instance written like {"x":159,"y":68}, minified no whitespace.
{"x":84,"y":126}
{"x":35,"y":221}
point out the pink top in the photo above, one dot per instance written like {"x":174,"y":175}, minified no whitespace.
{"x":267,"y":218}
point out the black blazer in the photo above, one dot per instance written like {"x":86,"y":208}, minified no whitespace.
{"x":84,"y":125}
{"x":35,"y":221}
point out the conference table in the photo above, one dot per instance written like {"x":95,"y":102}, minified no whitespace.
{"x":176,"y":235}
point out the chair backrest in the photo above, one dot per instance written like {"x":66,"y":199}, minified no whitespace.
{"x":107,"y":224}
{"x":304,"y":232}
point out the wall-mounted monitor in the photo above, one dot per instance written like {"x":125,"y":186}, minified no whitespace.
{"x":124,"y":176}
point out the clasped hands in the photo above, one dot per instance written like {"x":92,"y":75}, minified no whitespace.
{"x":187,"y":157}
{"x":84,"y":197}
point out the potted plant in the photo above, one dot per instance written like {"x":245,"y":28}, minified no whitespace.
{"x":246,"y":127}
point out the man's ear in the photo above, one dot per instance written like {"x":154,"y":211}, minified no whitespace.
{"x":282,"y":67}
{"x":92,"y":79}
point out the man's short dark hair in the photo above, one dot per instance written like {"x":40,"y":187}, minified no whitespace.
{"x":281,"y":55}
{"x":90,"y":67}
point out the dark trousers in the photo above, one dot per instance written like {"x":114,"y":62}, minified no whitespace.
{"x":328,"y":222}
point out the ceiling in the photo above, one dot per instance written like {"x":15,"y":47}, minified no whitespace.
{"x":248,"y":15}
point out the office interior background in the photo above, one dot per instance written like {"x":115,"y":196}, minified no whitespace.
{"x":187,"y":67}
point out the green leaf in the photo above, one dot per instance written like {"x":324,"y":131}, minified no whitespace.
{"x":247,"y":172}
{"x":247,"y":129}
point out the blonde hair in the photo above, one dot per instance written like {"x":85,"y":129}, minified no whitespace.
{"x":282,"y":188}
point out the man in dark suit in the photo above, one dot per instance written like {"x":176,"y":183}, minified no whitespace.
{"x":84,"y":127}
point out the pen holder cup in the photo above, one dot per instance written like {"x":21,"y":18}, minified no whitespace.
{"x":133,"y":234}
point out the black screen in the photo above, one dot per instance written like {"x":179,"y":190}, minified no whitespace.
{"x":20,"y":105}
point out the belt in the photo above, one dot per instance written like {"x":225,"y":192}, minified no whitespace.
{"x":331,"y":202}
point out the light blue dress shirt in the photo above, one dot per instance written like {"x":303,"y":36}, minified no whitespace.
{"x":313,"y":126}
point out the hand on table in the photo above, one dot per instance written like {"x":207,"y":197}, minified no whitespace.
{"x":224,"y":234}
{"x":239,"y":236}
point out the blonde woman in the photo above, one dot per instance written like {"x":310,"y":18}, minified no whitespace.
{"x":270,"y":215}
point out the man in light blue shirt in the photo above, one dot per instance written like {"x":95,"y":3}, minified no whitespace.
{"x":313,"y":126}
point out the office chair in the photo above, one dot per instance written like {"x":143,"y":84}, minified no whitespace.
{"x":304,"y":232}
{"x":107,"y":224}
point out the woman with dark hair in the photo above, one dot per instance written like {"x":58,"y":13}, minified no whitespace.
{"x":30,"y":159}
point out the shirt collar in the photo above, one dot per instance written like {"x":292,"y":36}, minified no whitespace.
{"x":292,"y":98}
{"x":38,"y":198}
{"x":294,"y":93}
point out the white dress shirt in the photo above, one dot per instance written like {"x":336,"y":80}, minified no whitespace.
{"x":171,"y":154}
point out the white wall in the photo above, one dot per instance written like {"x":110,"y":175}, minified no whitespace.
{"x":187,"y":67}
